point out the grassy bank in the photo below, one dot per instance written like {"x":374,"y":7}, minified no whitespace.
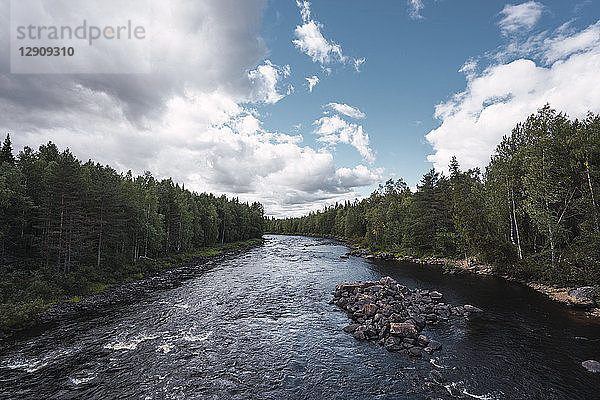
{"x":24,"y":294}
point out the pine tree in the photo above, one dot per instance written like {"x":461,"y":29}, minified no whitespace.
{"x":6,"y":153}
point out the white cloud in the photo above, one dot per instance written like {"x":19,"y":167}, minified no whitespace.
{"x":521,"y":17}
{"x":264,"y":81}
{"x":311,"y":41}
{"x":194,"y":121}
{"x":312,"y":82}
{"x":469,"y":68}
{"x":564,"y":45}
{"x":415,"y":7}
{"x":347,"y":110}
{"x":358,"y":176}
{"x":333,"y":130}
{"x":358,"y":62}
{"x":474,"y":121}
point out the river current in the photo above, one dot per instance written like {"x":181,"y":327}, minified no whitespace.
{"x":258,"y":325}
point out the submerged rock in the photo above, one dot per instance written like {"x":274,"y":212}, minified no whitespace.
{"x":394,"y":315}
{"x":591,"y":365}
{"x":472,"y":309}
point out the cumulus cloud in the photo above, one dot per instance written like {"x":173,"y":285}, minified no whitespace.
{"x":358,"y":176}
{"x":312,"y":82}
{"x":474,"y":121}
{"x":521,"y":17}
{"x":414,"y":9}
{"x":311,"y":41}
{"x":194,"y":120}
{"x":264,"y":81}
{"x":347,"y":110}
{"x":333,"y":130}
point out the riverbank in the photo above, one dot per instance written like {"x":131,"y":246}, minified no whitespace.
{"x":19,"y":315}
{"x":554,"y":292}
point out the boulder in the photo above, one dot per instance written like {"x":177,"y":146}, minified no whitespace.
{"x":584,"y":297}
{"x":351,"y":328}
{"x":435,"y":295}
{"x":369,"y":310}
{"x":414,"y":352}
{"x":472,"y":309}
{"x":347,"y":286}
{"x":434,"y":345}
{"x":393,"y":344}
{"x":422,"y":341}
{"x":359,"y":333}
{"x":591,"y":365}
{"x":403,"y":329}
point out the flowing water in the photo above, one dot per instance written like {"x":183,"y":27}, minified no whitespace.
{"x":259,"y":326}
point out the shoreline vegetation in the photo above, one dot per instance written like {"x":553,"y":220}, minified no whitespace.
{"x":30,"y":316}
{"x":70,"y":228}
{"x":532,"y":215}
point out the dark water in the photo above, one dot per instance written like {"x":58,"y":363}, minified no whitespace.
{"x":259,"y":326}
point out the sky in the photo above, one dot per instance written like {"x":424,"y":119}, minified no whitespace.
{"x":302,"y":104}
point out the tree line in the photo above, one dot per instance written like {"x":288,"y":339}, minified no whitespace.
{"x":64,"y":222}
{"x":533,"y":212}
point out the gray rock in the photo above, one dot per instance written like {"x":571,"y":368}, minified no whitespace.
{"x":435,"y":295}
{"x":472,"y":309}
{"x":422,"y":341}
{"x":359,"y":333}
{"x":351,"y":328}
{"x":414,"y":352}
{"x":392,"y":344}
{"x":591,"y":365}
{"x":434,"y":345}
{"x":582,"y":296}
{"x":403,"y":329}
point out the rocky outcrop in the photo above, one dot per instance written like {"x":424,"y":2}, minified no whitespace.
{"x":583,"y":297}
{"x":394,"y":315}
{"x":591,"y":365}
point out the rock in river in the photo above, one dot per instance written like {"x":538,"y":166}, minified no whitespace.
{"x":394,"y":315}
{"x":591,"y":365}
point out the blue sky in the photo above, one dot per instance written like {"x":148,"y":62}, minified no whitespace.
{"x":411,"y":65}
{"x":227,"y":108}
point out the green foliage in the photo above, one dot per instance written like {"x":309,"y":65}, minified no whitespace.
{"x":13,"y":314}
{"x":533,"y":214}
{"x":68,"y":227}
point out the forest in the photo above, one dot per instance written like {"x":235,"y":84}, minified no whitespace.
{"x":532,"y":213}
{"x":68,"y":227}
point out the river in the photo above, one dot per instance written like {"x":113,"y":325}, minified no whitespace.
{"x":258,"y":325}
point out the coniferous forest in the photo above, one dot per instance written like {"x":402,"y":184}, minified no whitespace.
{"x":532,"y":213}
{"x":68,"y":227}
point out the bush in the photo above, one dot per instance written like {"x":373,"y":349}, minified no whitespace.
{"x":14,"y":314}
